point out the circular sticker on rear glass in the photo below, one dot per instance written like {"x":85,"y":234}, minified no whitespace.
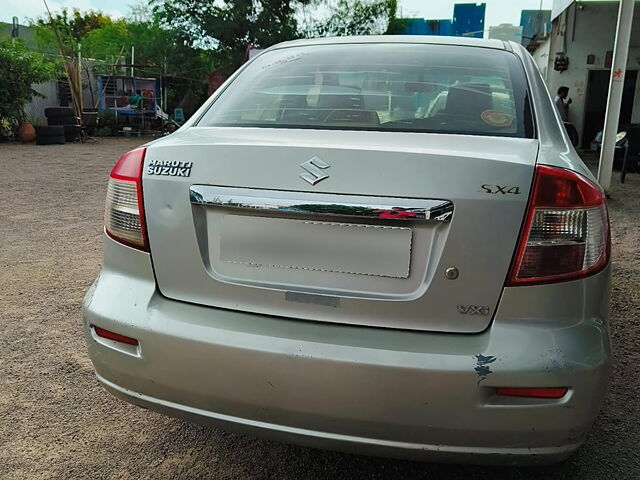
{"x":496,"y":118}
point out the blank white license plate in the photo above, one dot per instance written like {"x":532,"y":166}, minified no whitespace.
{"x":323,"y":246}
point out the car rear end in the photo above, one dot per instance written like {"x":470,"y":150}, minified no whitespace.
{"x":325,"y":257}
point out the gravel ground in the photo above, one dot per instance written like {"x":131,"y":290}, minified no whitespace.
{"x":57,"y":422}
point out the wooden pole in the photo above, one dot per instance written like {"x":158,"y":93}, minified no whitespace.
{"x":68,"y":61}
{"x":80,"y":77}
{"x":113,"y":68}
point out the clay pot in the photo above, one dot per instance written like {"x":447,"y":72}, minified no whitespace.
{"x":26,"y":133}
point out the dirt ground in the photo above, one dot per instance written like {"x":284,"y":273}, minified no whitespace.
{"x":57,"y":422}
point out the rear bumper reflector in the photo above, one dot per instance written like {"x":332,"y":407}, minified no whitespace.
{"x":532,"y":392}
{"x":101,"y":332}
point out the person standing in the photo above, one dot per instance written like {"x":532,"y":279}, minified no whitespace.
{"x":562,"y":103}
{"x":135,"y":100}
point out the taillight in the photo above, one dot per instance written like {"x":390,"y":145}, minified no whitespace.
{"x":566,"y":231}
{"x":124,"y":212}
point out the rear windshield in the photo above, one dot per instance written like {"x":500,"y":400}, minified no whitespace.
{"x":383,"y":87}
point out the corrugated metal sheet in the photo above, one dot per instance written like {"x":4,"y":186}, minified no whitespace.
{"x":413,"y":26}
{"x":420,"y":26}
{"x":439,"y":27}
{"x":468,"y":19}
{"x":534,"y":23}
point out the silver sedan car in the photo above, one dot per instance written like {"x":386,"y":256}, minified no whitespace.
{"x":384,"y":245}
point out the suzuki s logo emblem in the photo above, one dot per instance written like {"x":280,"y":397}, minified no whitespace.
{"x":313,"y":173}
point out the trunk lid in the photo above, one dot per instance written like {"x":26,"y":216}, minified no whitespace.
{"x":377,"y":242}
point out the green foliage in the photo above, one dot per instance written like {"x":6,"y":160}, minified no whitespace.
{"x":231,"y":26}
{"x":356,"y":17}
{"x":161,"y":51}
{"x":396,"y":25}
{"x":78,"y":24}
{"x":109,"y":124}
{"x":158,"y":51}
{"x":154,"y":46}
{"x":20,"y":68}
{"x":104,"y":132}
{"x":6,"y":128}
{"x":108,"y":41}
{"x":72,"y":26}
{"x":35,"y":120}
{"x":181,"y":41}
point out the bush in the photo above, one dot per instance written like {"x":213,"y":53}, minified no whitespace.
{"x":7,"y":128}
{"x":104,"y":132}
{"x":110,"y":125}
{"x":20,"y":68}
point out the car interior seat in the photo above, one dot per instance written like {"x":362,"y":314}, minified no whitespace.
{"x":470,"y":99}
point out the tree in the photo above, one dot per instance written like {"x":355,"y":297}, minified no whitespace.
{"x":355,"y":17}
{"x":20,"y":69}
{"x":230,"y":26}
{"x":159,"y":52}
{"x":107,"y":41}
{"x":72,"y":26}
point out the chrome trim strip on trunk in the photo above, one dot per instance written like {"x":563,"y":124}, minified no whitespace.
{"x":308,"y":203}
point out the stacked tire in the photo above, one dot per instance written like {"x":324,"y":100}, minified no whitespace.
{"x":65,"y":117}
{"x":50,"y":135}
{"x":59,"y":115}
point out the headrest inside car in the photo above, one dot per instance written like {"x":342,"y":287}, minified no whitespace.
{"x":470,"y":99}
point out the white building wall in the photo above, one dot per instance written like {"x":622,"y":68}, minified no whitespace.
{"x":507,"y":32}
{"x":541,"y":57}
{"x":35,"y":108}
{"x":588,"y":28}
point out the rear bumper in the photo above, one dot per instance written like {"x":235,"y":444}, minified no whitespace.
{"x":366,"y":390}
{"x":349,"y":443}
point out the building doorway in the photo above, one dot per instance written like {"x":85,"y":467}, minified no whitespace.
{"x":596,"y":102}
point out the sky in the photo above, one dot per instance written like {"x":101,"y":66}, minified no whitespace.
{"x":32,"y":9}
{"x":498,"y":11}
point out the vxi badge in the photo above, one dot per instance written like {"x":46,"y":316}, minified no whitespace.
{"x":172,"y":168}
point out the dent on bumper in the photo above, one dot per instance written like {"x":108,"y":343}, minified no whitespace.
{"x":375,"y":391}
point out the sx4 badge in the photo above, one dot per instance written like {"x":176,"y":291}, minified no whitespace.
{"x":172,"y":168}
